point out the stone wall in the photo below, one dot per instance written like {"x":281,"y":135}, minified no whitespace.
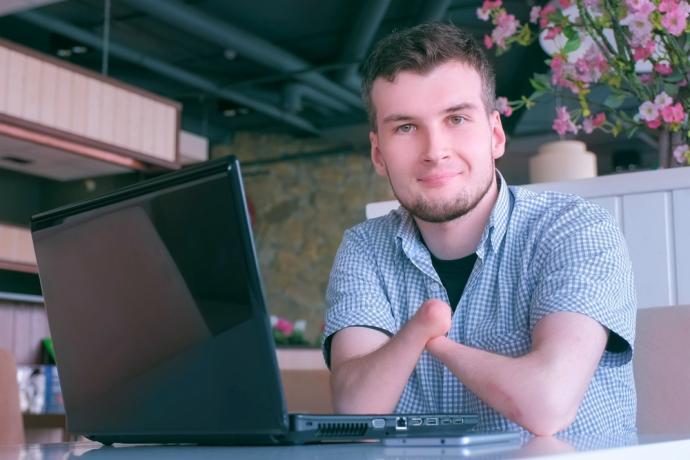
{"x":301,"y":208}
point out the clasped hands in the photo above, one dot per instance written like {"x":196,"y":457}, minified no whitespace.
{"x":432,"y":321}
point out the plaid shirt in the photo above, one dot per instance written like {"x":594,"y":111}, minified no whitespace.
{"x":539,"y":254}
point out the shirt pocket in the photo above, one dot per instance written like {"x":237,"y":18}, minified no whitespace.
{"x":512,"y":343}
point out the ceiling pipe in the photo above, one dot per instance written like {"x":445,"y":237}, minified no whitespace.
{"x":359,"y":40}
{"x":295,"y":92}
{"x":250,"y":46}
{"x":168,"y":70}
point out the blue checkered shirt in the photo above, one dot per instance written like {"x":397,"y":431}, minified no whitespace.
{"x":540,"y":253}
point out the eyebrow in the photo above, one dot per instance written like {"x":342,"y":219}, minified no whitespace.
{"x":398,"y":117}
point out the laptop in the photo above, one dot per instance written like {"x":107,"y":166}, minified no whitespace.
{"x":161,"y":332}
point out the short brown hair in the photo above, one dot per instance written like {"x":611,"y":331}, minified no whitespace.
{"x":421,"y":49}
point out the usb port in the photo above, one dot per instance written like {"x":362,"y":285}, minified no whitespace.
{"x":457,"y":421}
{"x":432,"y":421}
{"x":445,"y":421}
{"x":415,"y":421}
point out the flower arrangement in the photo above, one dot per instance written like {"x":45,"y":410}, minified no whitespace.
{"x":638,"y":49}
{"x":287,"y":333}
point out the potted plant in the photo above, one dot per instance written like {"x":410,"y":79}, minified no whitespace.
{"x":637,"y":49}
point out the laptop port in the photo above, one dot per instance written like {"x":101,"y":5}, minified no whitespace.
{"x":400,"y":423}
{"x":458,"y":421}
{"x":415,"y":421}
{"x":445,"y":421}
{"x":432,"y":421}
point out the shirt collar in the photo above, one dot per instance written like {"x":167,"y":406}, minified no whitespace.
{"x":496,"y":227}
{"x":410,"y":239}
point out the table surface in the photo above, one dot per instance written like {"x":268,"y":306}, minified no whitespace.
{"x":581,"y":447}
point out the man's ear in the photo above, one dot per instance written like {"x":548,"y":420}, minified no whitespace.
{"x":376,"y":156}
{"x":498,"y":136}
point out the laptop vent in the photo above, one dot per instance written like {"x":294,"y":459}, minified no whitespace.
{"x":341,"y":430}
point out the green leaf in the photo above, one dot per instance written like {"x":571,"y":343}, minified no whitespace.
{"x":614,"y":101}
{"x":572,"y":45}
{"x":540,"y":82}
{"x":671,"y":90}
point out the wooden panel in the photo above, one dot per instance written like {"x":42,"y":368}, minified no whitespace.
{"x":49,"y":108}
{"x":148,"y":127}
{"x":80,"y":107}
{"x":24,"y":349}
{"x":662,"y":374}
{"x":646,"y":218}
{"x":39,"y":324}
{"x":120,"y":112}
{"x":4,"y":78}
{"x":64,"y":100}
{"x":107,"y":115}
{"x":93,"y":121}
{"x":15,"y":87}
{"x":135,"y":122}
{"x":7,"y":326}
{"x":32,"y":90}
{"x":612,"y":204}
{"x":681,"y":217}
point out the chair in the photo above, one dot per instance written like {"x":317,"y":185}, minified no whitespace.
{"x":662,"y":370}
{"x":11,"y":425}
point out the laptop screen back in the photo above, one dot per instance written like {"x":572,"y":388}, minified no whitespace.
{"x":156,"y":310}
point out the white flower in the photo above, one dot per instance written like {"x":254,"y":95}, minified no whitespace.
{"x":662,"y":100}
{"x":680,"y":152}
{"x":649,"y":111}
{"x":483,"y":14}
{"x":274,"y":320}
{"x":300,"y":325}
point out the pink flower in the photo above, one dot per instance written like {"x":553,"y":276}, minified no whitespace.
{"x":534,"y":14}
{"x":673,"y":113}
{"x":565,"y":3}
{"x":643,"y":52}
{"x":640,"y":6}
{"x":589,"y":124}
{"x":562,"y":124}
{"x":662,"y":68}
{"x":675,"y":20}
{"x":662,"y":100}
{"x":503,"y":107}
{"x":640,"y":27}
{"x":667,"y":5}
{"x":552,"y":32}
{"x":506,"y":26}
{"x":591,"y":66}
{"x":491,"y":4}
{"x":545,"y":12}
{"x":654,"y":124}
{"x":646,"y":78}
{"x":681,"y":153}
{"x":488,"y":42}
{"x":648,"y":111}
{"x":483,"y":14}
{"x":284,"y":326}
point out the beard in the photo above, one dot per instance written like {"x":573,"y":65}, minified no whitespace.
{"x":438,"y":212}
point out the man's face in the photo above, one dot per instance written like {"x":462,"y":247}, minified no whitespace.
{"x":434,"y":140}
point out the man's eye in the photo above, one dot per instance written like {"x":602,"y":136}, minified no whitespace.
{"x":405,"y":128}
{"x":456,"y":119}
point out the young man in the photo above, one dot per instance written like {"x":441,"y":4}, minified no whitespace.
{"x":474,"y":296}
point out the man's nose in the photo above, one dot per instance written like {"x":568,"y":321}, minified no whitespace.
{"x":436,"y":145}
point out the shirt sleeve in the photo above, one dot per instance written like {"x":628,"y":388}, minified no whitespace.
{"x":586,"y":269}
{"x":355,"y":295}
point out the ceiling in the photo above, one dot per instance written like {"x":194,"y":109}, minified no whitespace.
{"x":267,"y":66}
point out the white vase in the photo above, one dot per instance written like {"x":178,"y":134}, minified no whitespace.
{"x":561,"y":161}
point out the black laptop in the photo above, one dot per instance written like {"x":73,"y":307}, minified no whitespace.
{"x":161,"y":332}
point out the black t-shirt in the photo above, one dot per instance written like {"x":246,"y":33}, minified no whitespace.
{"x":454,"y":275}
